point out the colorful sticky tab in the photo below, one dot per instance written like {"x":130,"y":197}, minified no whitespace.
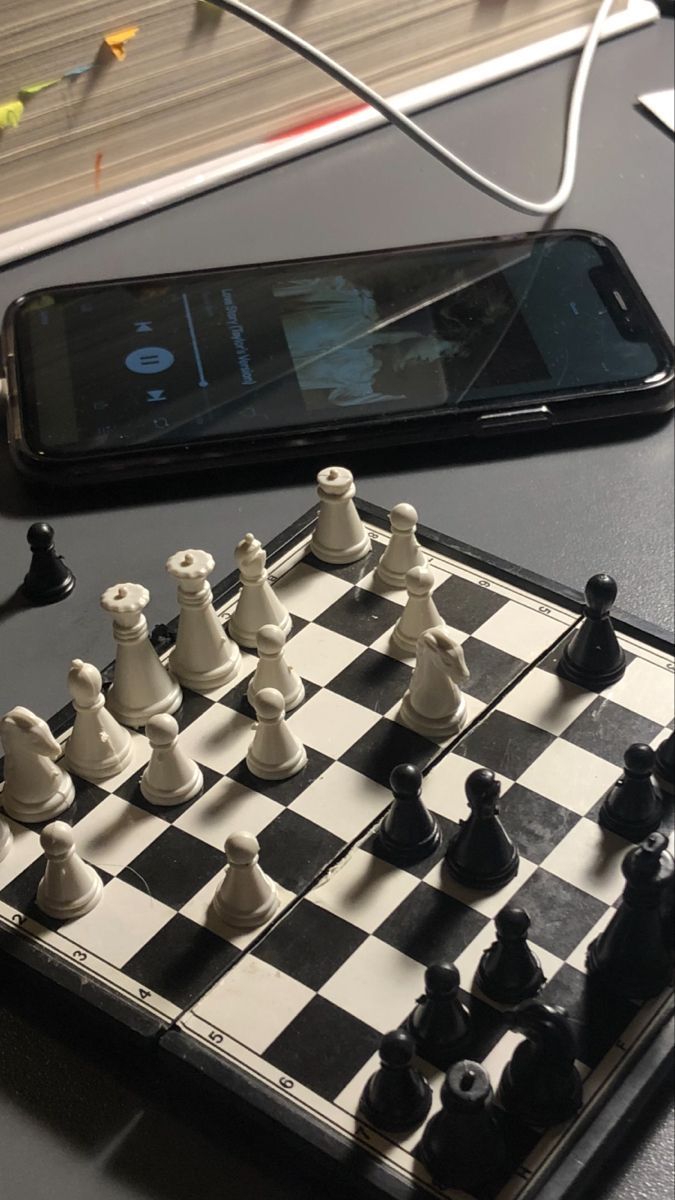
{"x":32,"y":89}
{"x":73,"y":72}
{"x":10,"y":114}
{"x":117,"y":42}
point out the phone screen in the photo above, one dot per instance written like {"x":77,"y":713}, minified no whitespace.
{"x":182,"y":358}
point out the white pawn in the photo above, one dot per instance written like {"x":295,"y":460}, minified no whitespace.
{"x":434,"y":705}
{"x":420,"y":612}
{"x":273,"y":670}
{"x":6,"y":838}
{"x":170,"y":777}
{"x":36,"y":787}
{"x":69,"y":887}
{"x":339,"y":534}
{"x":141,"y":686}
{"x":246,"y":897}
{"x":203,"y":657}
{"x":98,"y":746}
{"x":403,"y":551}
{"x":258,"y":604}
{"x":275,"y":752}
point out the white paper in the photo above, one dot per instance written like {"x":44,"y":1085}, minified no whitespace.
{"x":662,"y":105}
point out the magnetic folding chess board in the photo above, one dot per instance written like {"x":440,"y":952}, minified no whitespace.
{"x":288,"y":1018}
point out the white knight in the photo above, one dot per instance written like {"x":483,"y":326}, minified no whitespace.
{"x":36,"y":787}
{"x":433,"y":704}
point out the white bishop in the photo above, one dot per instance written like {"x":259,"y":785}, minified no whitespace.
{"x":258,"y":604}
{"x":98,"y":747}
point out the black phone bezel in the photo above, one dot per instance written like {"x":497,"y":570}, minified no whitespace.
{"x":525,"y":413}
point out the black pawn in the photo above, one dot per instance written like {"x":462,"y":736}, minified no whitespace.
{"x":439,"y":1023}
{"x":397,"y":1097}
{"x":481,"y":854}
{"x":408,"y":832}
{"x":509,"y":971}
{"x":48,"y":579}
{"x":631,"y":957}
{"x":462,"y":1145}
{"x":592,"y":657}
{"x":541,"y":1084}
{"x":632,"y":807}
{"x":664,"y":765}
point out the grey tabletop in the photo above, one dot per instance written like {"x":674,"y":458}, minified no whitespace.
{"x":75,"y":1120}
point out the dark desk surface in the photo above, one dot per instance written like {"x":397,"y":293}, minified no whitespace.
{"x":75,"y":1121}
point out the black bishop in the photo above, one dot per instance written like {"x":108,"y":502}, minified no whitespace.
{"x":481,"y":854}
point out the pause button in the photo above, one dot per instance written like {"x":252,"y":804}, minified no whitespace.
{"x":149,"y":360}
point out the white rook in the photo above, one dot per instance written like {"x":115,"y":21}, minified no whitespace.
{"x":141,"y":686}
{"x":339,"y":535}
{"x":204,"y":657}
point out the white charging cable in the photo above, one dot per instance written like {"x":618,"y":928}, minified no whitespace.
{"x":418,"y":135}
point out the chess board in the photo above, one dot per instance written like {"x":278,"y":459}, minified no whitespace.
{"x":288,"y":1018}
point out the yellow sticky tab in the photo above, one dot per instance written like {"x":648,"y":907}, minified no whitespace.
{"x":32,"y":89}
{"x":117,"y":42}
{"x":10,"y":114}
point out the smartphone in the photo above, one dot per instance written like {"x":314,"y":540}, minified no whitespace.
{"x":128,"y":377}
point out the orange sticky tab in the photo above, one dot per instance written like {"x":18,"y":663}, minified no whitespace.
{"x":117,"y":42}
